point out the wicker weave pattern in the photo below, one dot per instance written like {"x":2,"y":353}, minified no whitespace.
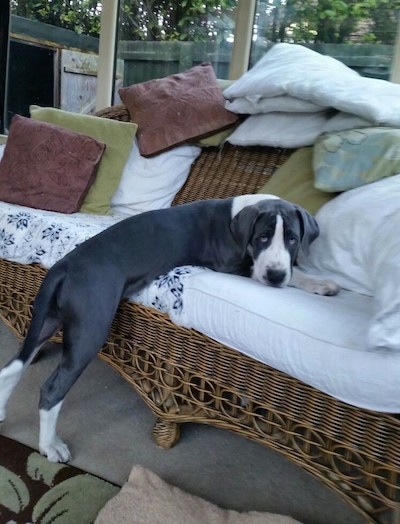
{"x":231,"y":171}
{"x":184,"y":376}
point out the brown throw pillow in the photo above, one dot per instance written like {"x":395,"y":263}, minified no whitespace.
{"x":176,"y":109}
{"x":47,"y":167}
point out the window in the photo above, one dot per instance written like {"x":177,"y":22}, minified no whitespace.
{"x":4,"y":32}
{"x":55,"y":56}
{"x":360,"y":34}
{"x":172,"y":37}
{"x":52,"y":55}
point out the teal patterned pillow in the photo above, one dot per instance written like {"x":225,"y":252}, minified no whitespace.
{"x":355,"y":157}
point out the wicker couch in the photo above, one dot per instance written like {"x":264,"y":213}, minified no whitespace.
{"x":186,"y":377}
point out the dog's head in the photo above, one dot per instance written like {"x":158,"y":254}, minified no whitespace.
{"x":271,"y":231}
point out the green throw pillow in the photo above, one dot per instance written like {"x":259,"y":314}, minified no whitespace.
{"x":118,"y":137}
{"x":294,"y":181}
{"x":217,"y":139}
{"x":356,"y":157}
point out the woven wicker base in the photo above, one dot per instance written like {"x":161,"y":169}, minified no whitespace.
{"x":185,"y":377}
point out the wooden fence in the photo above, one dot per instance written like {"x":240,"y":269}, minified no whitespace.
{"x":147,"y":60}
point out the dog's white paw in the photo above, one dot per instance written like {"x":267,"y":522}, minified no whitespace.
{"x":313,"y":284}
{"x":55,"y":451}
{"x":320,"y":287}
{"x":324,"y":287}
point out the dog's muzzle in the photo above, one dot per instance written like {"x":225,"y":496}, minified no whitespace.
{"x":275,"y":277}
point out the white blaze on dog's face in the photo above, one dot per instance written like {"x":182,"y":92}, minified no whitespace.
{"x":271,"y":259}
{"x":274,"y":247}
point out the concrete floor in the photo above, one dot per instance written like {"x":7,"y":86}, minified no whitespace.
{"x":108,"y":428}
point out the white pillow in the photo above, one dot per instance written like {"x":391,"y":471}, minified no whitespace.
{"x":252,"y":105}
{"x":292,"y":130}
{"x":279,"y":129}
{"x":359,"y":248}
{"x":152,"y":183}
{"x":295,"y":70}
{"x":2,"y":147}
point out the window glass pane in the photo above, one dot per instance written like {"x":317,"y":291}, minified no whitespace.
{"x":52,"y":55}
{"x":360,"y":34}
{"x":157,"y":39}
{"x":4,"y":29}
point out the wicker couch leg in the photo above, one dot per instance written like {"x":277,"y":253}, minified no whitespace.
{"x":396,"y":515}
{"x":166,"y":433}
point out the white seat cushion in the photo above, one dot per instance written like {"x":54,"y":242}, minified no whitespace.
{"x":319,"y":340}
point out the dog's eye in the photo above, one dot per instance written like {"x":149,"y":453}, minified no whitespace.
{"x":263,"y":238}
{"x":292,"y":240}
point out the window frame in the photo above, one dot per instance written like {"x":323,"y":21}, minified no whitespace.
{"x":108,"y":42}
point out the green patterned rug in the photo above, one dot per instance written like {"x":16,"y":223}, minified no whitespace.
{"x":34,"y":490}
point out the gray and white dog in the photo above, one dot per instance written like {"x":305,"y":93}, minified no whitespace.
{"x":253,"y":235}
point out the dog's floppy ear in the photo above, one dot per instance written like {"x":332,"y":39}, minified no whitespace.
{"x":242,"y":226}
{"x":309,"y":228}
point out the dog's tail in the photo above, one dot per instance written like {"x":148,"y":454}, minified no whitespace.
{"x":45,"y":321}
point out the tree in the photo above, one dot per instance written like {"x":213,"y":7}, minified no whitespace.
{"x":385,"y":17}
{"x":139,"y":19}
{"x":81,"y":16}
{"x":329,"y":21}
{"x":192,"y":20}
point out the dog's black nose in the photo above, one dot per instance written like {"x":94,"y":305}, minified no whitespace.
{"x":276,"y":276}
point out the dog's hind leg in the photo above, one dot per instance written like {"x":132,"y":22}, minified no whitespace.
{"x":81,"y":344}
{"x":43,"y":325}
{"x":11,"y":374}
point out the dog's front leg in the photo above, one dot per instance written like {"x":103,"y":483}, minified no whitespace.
{"x":313,"y":284}
{"x":49,"y":442}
